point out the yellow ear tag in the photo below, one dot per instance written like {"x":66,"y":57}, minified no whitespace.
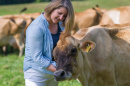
{"x":88,"y":48}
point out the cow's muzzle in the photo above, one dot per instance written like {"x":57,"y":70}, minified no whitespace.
{"x":61,"y":75}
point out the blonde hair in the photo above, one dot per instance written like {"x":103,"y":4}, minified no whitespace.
{"x":56,"y":4}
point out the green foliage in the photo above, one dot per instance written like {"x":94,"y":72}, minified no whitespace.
{"x":41,"y":0}
{"x":4,"y":2}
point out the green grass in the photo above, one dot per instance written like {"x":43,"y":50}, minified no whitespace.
{"x":78,"y":6}
{"x":107,"y":4}
{"x":11,"y":72}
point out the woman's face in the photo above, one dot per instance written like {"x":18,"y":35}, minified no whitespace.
{"x":58,"y":15}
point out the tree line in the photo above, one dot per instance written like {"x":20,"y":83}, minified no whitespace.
{"x":5,"y":2}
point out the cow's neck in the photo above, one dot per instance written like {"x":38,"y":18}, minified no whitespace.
{"x":85,"y":71}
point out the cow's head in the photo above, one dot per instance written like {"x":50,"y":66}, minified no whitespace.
{"x":17,"y":25}
{"x":99,"y":13}
{"x":68,"y":55}
{"x":20,"y":22}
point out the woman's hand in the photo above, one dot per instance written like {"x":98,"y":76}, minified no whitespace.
{"x":51,"y":68}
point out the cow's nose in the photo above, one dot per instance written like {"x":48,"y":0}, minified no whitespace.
{"x":59,"y":75}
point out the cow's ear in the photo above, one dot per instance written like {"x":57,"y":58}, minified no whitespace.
{"x":12,"y":19}
{"x":88,"y":46}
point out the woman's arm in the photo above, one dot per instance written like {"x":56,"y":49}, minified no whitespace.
{"x":35,"y":37}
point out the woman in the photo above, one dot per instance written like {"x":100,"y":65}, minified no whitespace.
{"x":41,"y":37}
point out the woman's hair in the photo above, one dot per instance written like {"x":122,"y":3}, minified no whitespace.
{"x":56,"y":4}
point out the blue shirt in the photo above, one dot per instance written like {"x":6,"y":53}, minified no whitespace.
{"x":39,"y":46}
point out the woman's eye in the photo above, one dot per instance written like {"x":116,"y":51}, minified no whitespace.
{"x":60,"y":13}
{"x":64,"y":16}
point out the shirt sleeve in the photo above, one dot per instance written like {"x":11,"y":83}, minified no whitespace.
{"x":35,"y":36}
{"x":54,"y":63}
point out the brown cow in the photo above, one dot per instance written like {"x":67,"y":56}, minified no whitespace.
{"x":97,"y":56}
{"x":87,"y":18}
{"x":28,"y":18}
{"x":119,"y":15}
{"x":12,"y":30}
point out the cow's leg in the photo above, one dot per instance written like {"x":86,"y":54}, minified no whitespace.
{"x":20,"y":43}
{"x":4,"y":49}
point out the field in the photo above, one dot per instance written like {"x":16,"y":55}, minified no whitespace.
{"x":79,"y":5}
{"x":11,"y":72}
{"x":11,"y":67}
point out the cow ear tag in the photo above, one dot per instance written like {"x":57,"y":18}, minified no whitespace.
{"x":88,"y":48}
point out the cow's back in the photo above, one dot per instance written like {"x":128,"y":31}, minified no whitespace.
{"x":118,"y":15}
{"x":85,"y":19}
{"x":6,"y":27}
{"x":120,"y":56}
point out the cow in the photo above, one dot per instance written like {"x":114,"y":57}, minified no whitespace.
{"x":119,"y":15}
{"x":87,"y":18}
{"x":28,"y":18}
{"x":96,"y":56}
{"x":12,"y":30}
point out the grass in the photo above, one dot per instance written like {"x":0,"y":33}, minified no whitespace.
{"x":78,"y":6}
{"x":11,"y":72}
{"x":11,"y":67}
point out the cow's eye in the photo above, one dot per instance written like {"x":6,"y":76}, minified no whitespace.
{"x":73,"y":50}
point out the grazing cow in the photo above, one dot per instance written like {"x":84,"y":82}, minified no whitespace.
{"x":87,"y":18}
{"x":33,"y":15}
{"x":118,"y":15}
{"x":12,"y":29}
{"x":97,"y":56}
{"x":28,"y":18}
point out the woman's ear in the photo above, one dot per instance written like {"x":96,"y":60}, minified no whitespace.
{"x":88,"y":46}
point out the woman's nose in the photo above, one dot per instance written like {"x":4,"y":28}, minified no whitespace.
{"x":61,"y":17}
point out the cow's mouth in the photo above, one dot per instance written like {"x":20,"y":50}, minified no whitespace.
{"x":61,"y":75}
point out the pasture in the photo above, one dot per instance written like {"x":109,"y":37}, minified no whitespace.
{"x":11,"y":72}
{"x":11,"y":67}
{"x":79,"y":5}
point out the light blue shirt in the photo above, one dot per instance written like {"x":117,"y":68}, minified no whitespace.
{"x":39,"y":46}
